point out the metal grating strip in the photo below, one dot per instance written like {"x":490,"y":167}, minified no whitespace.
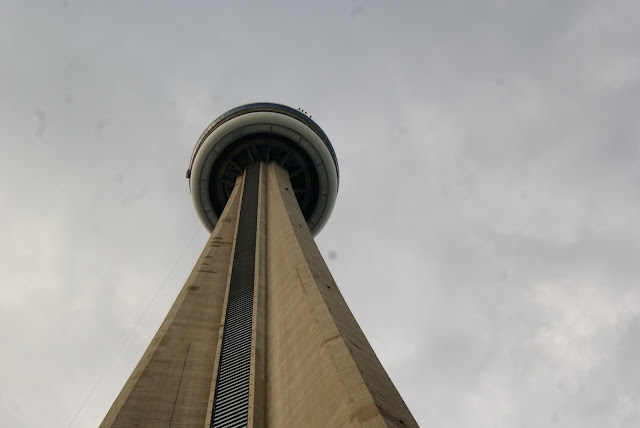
{"x":231,"y":402}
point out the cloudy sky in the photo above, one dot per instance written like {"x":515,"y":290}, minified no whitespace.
{"x":485,"y":234}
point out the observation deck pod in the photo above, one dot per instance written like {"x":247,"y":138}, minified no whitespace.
{"x":264,"y":132}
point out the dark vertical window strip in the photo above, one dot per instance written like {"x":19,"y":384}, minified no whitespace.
{"x":231,"y":402}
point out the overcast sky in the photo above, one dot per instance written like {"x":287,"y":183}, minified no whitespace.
{"x":486,"y":230}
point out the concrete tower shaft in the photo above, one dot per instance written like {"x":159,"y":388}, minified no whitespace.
{"x":260,"y":335}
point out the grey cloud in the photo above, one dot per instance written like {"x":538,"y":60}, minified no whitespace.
{"x":486,"y":221}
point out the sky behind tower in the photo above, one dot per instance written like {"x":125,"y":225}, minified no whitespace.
{"x":485,"y":233}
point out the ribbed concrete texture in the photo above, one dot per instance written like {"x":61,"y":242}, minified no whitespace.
{"x":310,"y":364}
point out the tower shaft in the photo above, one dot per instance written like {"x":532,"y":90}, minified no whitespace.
{"x":260,"y":334}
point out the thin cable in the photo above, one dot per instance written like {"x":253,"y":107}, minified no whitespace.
{"x":135,"y":326}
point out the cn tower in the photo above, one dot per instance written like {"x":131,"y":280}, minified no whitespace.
{"x":260,"y":335}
